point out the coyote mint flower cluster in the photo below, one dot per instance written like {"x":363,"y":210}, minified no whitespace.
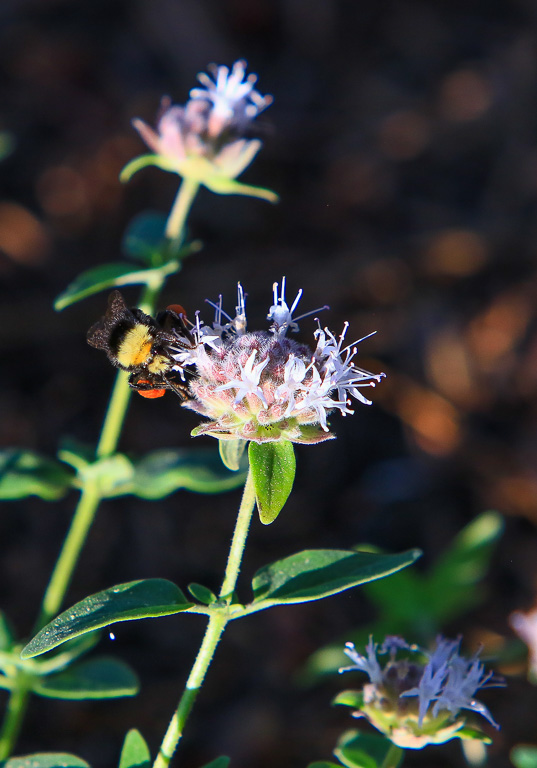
{"x":264,"y":386}
{"x":417,"y":699}
{"x":204,"y":139}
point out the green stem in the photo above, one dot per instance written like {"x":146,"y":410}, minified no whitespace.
{"x":394,"y":757}
{"x":16,"y":709}
{"x":65,"y":565}
{"x":213,"y":633}
{"x":183,"y":202}
{"x":239,"y":539}
{"x":90,"y":498}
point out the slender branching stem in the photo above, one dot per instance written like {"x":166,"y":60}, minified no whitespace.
{"x":213,"y":633}
{"x":90,"y":496}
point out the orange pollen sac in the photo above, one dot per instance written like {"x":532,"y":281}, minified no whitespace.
{"x":150,"y":394}
{"x":178,"y":309}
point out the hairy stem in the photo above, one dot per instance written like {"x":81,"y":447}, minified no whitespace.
{"x":213,"y":633}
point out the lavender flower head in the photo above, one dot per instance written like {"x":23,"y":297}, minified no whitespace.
{"x":415,"y":697}
{"x":205,"y":139}
{"x":264,"y":386}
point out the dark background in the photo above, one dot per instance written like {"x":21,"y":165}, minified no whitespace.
{"x":403,"y":144}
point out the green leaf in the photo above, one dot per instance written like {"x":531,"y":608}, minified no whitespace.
{"x":231,"y":452}
{"x":316,"y":573}
{"x":473,"y":734}
{"x":524,"y":756}
{"x":220,"y":762}
{"x":144,"y":238}
{"x":102,"y":677}
{"x":25,"y":473}
{"x":354,"y":699}
{"x":202,"y":594}
{"x":452,"y":586}
{"x":112,"y":275}
{"x":222,"y":185}
{"x":143,"y":161}
{"x":418,"y":605}
{"x":113,"y":475}
{"x":144,"y":599}
{"x":363,"y":750}
{"x":273,"y":468}
{"x":135,"y":752}
{"x":45,"y":760}
{"x":165,"y":471}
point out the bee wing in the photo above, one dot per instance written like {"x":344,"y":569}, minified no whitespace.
{"x":99,"y":333}
{"x":98,"y":336}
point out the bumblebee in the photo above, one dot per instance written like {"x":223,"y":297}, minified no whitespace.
{"x":139,"y":344}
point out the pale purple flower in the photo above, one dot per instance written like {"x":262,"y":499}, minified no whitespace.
{"x":263,"y":385}
{"x":232,"y":96}
{"x":205,"y":139}
{"x":368,"y":664}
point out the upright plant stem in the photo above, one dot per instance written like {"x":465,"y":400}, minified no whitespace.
{"x":177,"y":218}
{"x":213,"y":633}
{"x":90,"y":497}
{"x":16,"y":709}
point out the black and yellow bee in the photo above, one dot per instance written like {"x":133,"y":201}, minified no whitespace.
{"x":139,"y":344}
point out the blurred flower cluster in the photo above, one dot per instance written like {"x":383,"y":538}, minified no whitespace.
{"x":204,"y":140}
{"x":415,"y":697}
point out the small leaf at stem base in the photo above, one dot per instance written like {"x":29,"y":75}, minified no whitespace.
{"x":135,"y":752}
{"x":273,"y":469}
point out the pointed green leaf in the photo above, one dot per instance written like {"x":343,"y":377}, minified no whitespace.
{"x":453,"y":585}
{"x":111,"y":275}
{"x":144,"y":599}
{"x":231,"y":452}
{"x":135,"y":752}
{"x":45,"y":760}
{"x":202,"y":594}
{"x":220,"y":762}
{"x":165,"y":471}
{"x":102,"y":677}
{"x":273,"y":467}
{"x":25,"y":473}
{"x":354,"y":699}
{"x":364,"y":750}
{"x":316,"y":573}
{"x":524,"y":756}
{"x":222,"y":185}
{"x":143,"y":161}
{"x":473,"y":734}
